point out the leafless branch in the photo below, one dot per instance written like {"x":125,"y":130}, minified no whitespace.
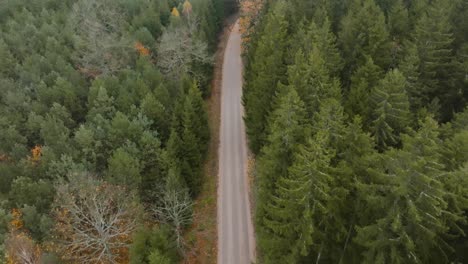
{"x":95,"y":220}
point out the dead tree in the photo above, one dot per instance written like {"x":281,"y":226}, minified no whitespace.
{"x":101,"y":44}
{"x":94,"y":220}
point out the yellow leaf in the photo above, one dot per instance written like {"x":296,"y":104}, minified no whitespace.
{"x":175,"y":12}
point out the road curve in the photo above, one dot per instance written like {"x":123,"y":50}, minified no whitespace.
{"x":236,"y":244}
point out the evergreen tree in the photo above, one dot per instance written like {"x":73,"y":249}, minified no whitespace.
{"x":363,"y":82}
{"x":310,"y":77}
{"x":287,"y":130}
{"x":391,"y":109}
{"x":267,"y":68}
{"x":364,"y":33}
{"x":321,"y":37}
{"x":434,"y":38}
{"x":330,"y":120}
{"x":303,"y":199}
{"x":413,"y":206}
{"x":124,"y":169}
{"x":410,"y":69}
{"x":398,"y":21}
{"x":7,"y":63}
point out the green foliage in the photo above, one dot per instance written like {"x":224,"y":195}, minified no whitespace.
{"x":152,"y":245}
{"x":438,"y":69}
{"x":124,"y":169}
{"x":310,"y":77}
{"x":286,"y":128}
{"x":364,"y":33}
{"x":363,"y":82}
{"x":77,"y":94}
{"x":368,"y":175}
{"x":266,"y":70}
{"x":391,"y":109}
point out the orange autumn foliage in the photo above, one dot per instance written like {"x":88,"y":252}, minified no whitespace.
{"x":249,"y":10}
{"x":4,"y":157}
{"x":187,"y":8}
{"x":16,"y":222}
{"x":20,"y":247}
{"x":36,"y":153}
{"x":142,"y":50}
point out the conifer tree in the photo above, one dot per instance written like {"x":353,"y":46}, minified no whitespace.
{"x":363,"y":82}
{"x":364,"y":33}
{"x":398,"y":20}
{"x":413,"y":206}
{"x":410,"y":69}
{"x":434,"y":38}
{"x":320,"y":36}
{"x":267,"y":68}
{"x":391,"y":109}
{"x":287,"y":129}
{"x":330,"y":120}
{"x":309,"y":188}
{"x":310,"y":77}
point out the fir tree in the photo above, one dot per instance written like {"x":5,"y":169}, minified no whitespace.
{"x":363,"y":82}
{"x":412,"y":204}
{"x":309,"y":76}
{"x":398,"y":20}
{"x":364,"y":33}
{"x":434,"y":38}
{"x":410,"y":69}
{"x":267,"y":68}
{"x":287,"y":130}
{"x":391,"y":109}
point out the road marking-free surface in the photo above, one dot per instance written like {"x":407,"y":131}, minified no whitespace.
{"x":236,"y":243}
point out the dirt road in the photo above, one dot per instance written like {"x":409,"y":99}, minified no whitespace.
{"x":236,"y":244}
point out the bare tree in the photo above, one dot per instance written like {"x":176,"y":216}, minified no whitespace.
{"x":102,"y":46}
{"x":175,"y":208}
{"x":180,"y":51}
{"x":94,"y":220}
{"x":20,"y":248}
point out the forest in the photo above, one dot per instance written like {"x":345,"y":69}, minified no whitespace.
{"x":103,"y":127}
{"x":356,"y":111}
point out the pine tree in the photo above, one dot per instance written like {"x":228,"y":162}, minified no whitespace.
{"x":124,"y":169}
{"x":199,"y":117}
{"x":310,"y":77}
{"x":398,"y":20}
{"x":411,"y":201}
{"x":330,"y":120}
{"x":410,"y":69}
{"x":287,"y":130}
{"x":364,"y":33}
{"x":434,"y":38}
{"x":7,"y":62}
{"x":363,"y":82}
{"x":391,"y":109}
{"x":311,"y":170}
{"x":267,"y":68}
{"x":321,"y":37}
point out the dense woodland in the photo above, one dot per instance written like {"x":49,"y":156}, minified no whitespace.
{"x":103,"y":128}
{"x":357,"y":113}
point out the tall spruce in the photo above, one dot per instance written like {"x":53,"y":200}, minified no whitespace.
{"x":364,"y":33}
{"x":390,"y":109}
{"x":267,"y":69}
{"x":310,"y":77}
{"x":434,"y":39}
{"x":363,"y":82}
{"x":412,"y":225}
{"x":287,"y":128}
